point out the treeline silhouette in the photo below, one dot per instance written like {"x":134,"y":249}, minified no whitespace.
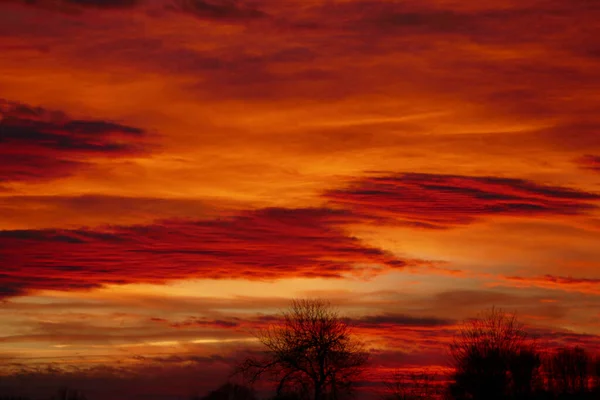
{"x":311,"y":353}
{"x":62,"y":394}
{"x":495,"y":358}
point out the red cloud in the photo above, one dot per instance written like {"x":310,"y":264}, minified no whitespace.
{"x":228,"y":10}
{"x":38,"y":144}
{"x":589,"y":162}
{"x":220,"y":10}
{"x":444,"y":201}
{"x":569,"y":284}
{"x":71,"y":6}
{"x":264,"y":244}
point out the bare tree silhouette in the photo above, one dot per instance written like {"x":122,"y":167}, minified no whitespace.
{"x":493,"y":359}
{"x":569,"y":372}
{"x":311,"y":352}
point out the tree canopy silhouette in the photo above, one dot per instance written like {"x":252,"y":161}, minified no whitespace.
{"x":570,"y":373}
{"x":310,"y":352}
{"x":493,"y":358}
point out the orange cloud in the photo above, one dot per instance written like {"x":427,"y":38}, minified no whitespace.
{"x":367,"y":322}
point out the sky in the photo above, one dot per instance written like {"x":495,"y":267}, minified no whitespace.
{"x":174,"y":172}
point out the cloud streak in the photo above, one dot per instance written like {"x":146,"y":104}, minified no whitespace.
{"x":446,"y":201}
{"x":563,"y":283}
{"x":39,"y":144}
{"x":219,"y":10}
{"x":95,"y":210}
{"x":589,"y":162}
{"x":71,"y":6}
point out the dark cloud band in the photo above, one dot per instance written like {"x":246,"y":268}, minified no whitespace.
{"x":444,"y":201}
{"x":40,"y":144}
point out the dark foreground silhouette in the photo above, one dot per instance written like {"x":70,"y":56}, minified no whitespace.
{"x":310,"y":353}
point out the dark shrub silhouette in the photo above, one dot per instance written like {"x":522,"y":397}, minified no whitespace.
{"x":287,"y":396}
{"x":310,"y":353}
{"x":596,"y":379}
{"x":494,"y":359}
{"x":69,"y":394}
{"x":13,"y":398}
{"x":230,"y":391}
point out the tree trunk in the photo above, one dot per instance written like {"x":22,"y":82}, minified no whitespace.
{"x":317,"y":391}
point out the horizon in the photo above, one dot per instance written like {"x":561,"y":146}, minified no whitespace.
{"x":174,"y":172}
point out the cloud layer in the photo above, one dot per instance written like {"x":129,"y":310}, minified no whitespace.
{"x":273,"y":243}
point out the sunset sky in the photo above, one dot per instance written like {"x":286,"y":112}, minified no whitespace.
{"x":173,"y":172}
